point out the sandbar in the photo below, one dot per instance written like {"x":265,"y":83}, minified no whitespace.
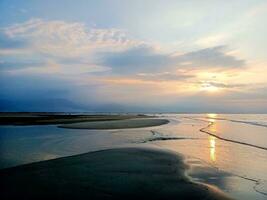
{"x":122,"y":173}
{"x":117,"y":124}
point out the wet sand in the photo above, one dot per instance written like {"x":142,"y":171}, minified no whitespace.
{"x":117,"y":124}
{"x":122,"y":173}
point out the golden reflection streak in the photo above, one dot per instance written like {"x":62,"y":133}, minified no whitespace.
{"x":212,"y":142}
{"x":212,"y":148}
{"x":211,"y":117}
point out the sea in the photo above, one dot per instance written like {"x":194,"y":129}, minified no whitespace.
{"x":228,"y":151}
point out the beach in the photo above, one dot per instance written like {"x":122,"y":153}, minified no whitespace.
{"x":131,"y":173}
{"x":163,"y":156}
{"x":121,"y":99}
{"x":117,"y":124}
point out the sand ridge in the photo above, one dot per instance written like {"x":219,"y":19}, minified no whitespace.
{"x":117,"y":124}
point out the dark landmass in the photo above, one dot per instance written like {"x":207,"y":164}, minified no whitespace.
{"x":28,"y":118}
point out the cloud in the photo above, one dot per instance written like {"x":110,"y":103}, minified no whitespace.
{"x":7,"y":42}
{"x":215,"y":57}
{"x":88,"y":50}
{"x":69,"y":39}
{"x":103,"y":66}
{"x":13,"y":65}
{"x":164,"y":76}
{"x":211,"y":40}
{"x":138,"y":59}
{"x":146,"y":60}
{"x":26,"y":45}
{"x":223,"y":85}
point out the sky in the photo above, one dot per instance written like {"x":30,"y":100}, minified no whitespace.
{"x":133,"y":56}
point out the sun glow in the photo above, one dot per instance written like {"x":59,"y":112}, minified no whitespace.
{"x":208,"y":87}
{"x":212,"y":118}
{"x":212,"y":115}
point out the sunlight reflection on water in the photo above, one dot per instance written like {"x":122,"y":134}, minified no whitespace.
{"x":212,"y":148}
{"x":20,"y":145}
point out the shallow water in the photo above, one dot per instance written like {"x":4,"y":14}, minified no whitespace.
{"x":239,"y":169}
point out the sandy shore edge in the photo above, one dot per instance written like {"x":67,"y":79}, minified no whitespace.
{"x":117,"y":124}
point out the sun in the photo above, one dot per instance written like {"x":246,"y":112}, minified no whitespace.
{"x":208,"y":87}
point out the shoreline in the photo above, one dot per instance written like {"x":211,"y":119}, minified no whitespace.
{"x":117,"y":124}
{"x":22,"y":119}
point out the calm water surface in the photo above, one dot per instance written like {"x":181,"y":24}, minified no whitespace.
{"x":217,"y":158}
